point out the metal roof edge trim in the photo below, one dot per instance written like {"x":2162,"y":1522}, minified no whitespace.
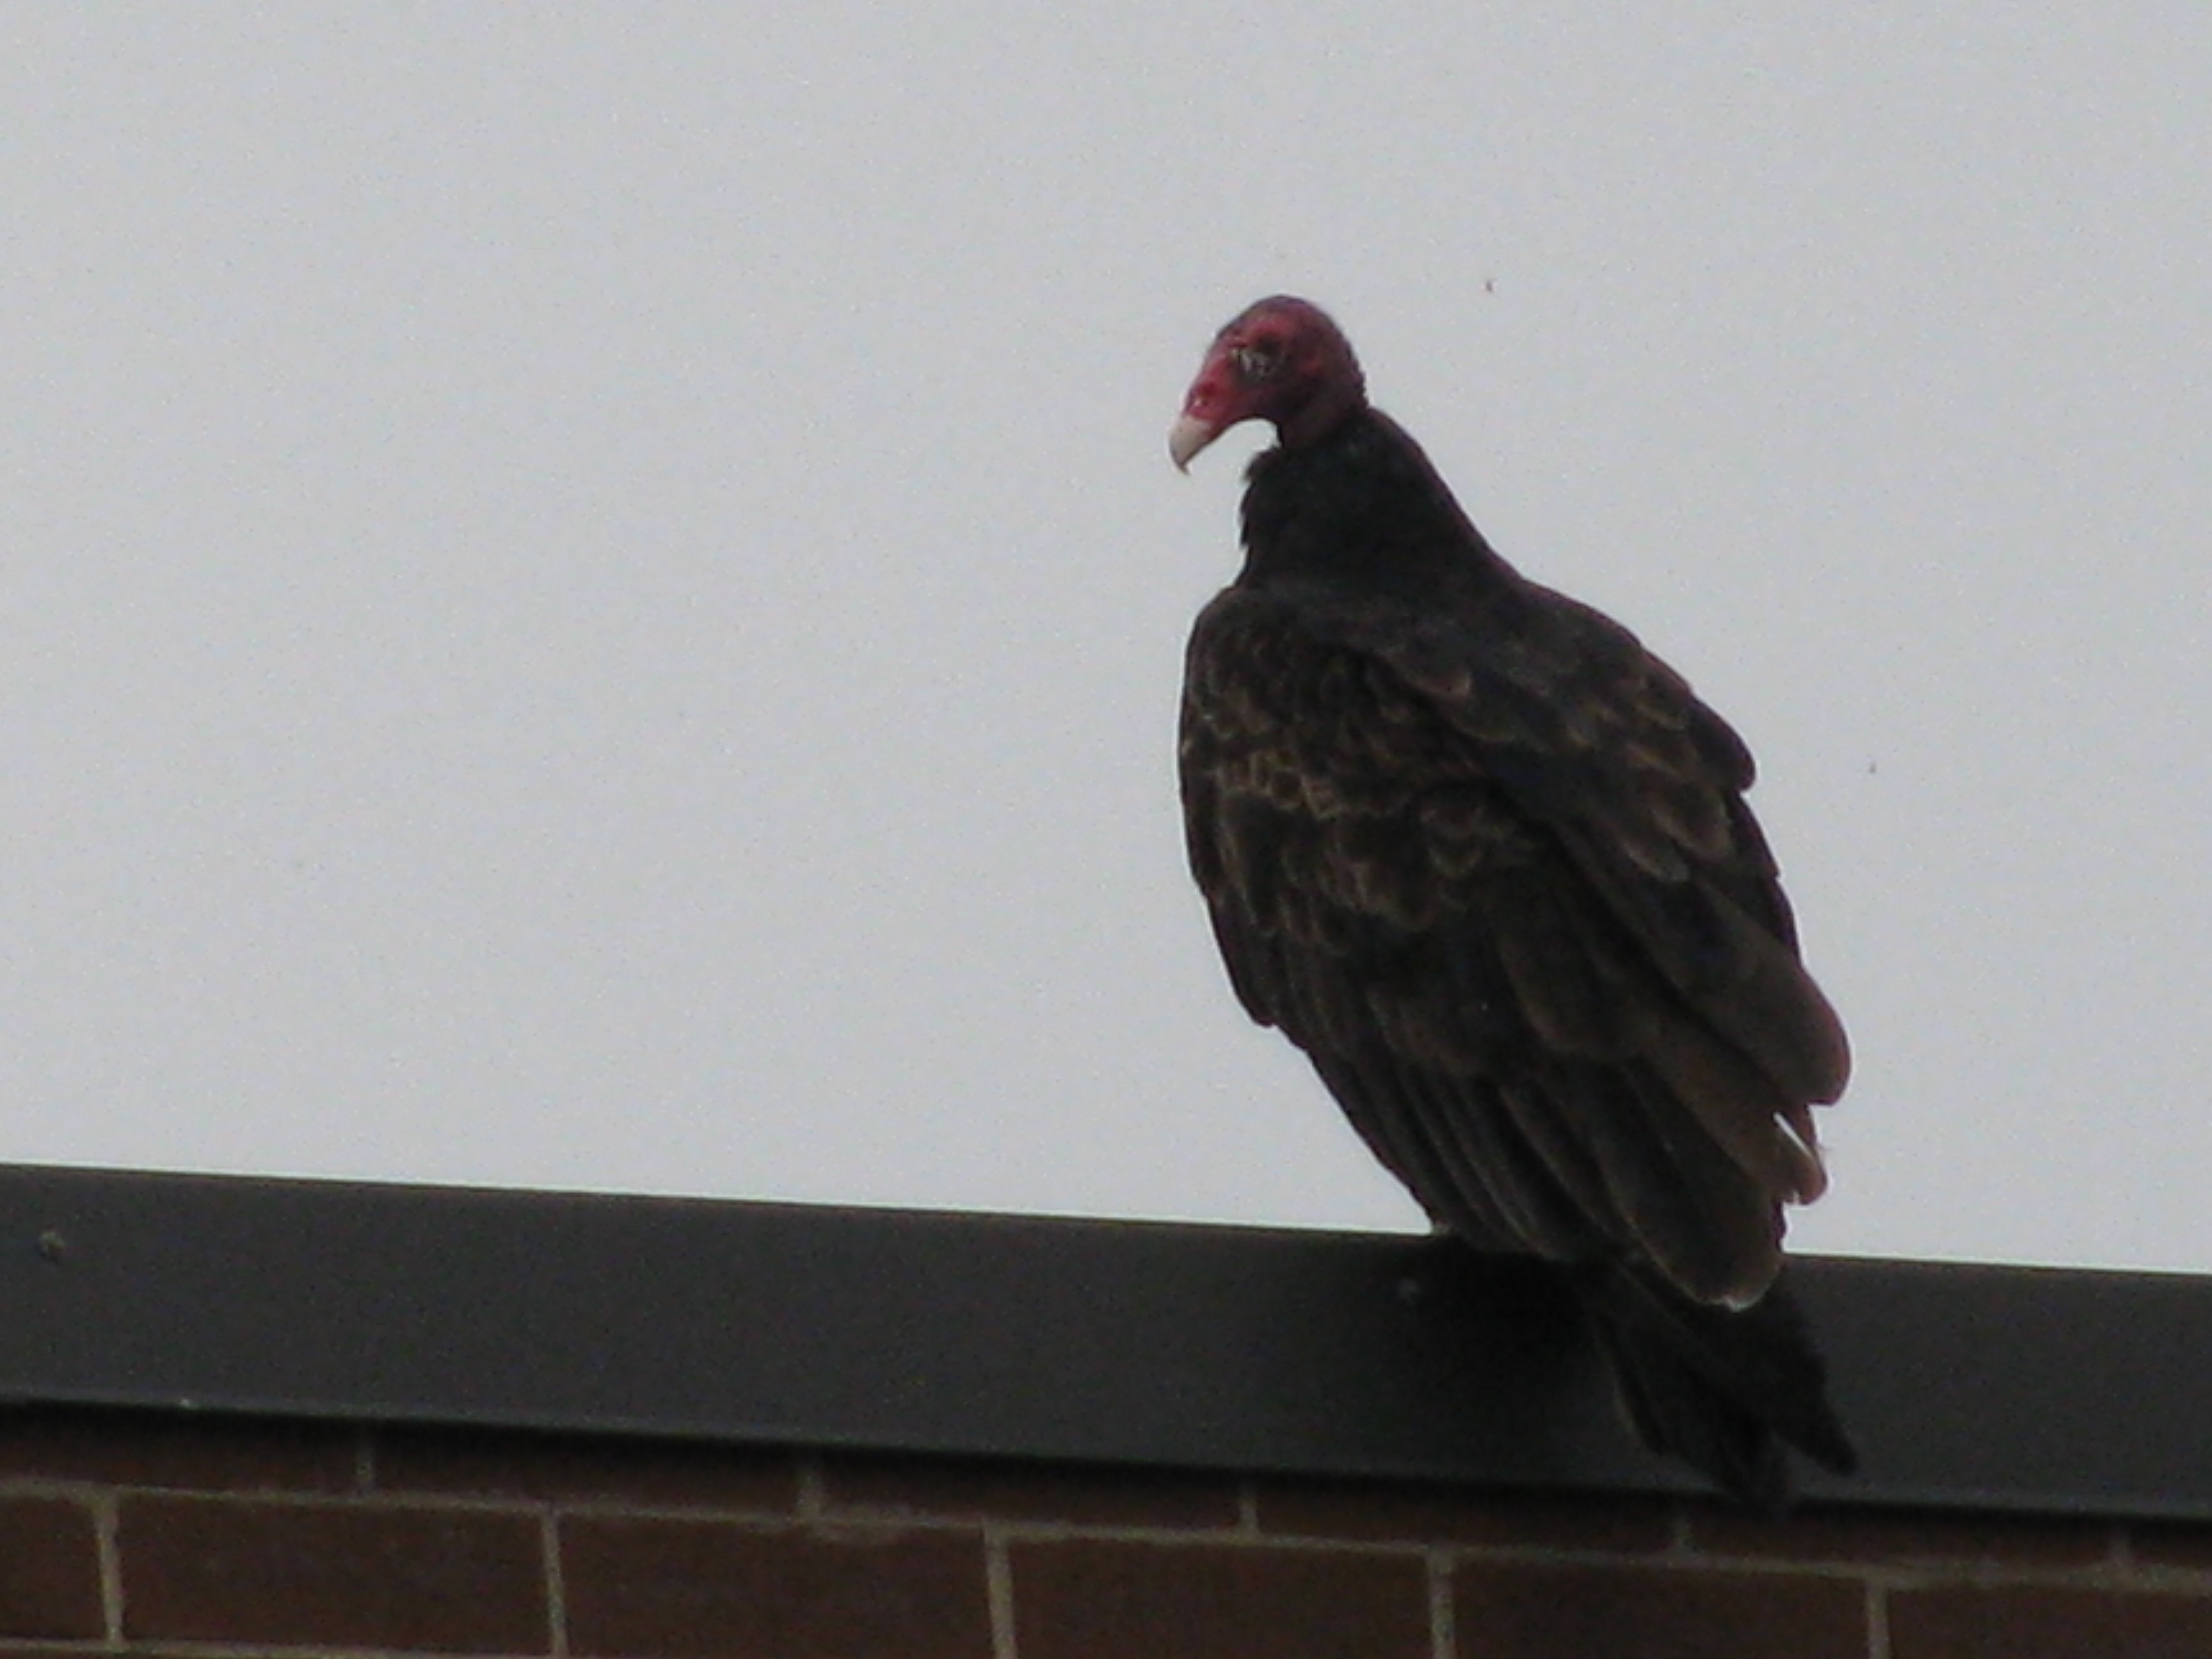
{"x":1143,"y":1343}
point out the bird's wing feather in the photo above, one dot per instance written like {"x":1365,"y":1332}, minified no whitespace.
{"x":1504,"y":891}
{"x":1597,"y":739}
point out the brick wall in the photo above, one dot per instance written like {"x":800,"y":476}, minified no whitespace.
{"x":161,"y":1533}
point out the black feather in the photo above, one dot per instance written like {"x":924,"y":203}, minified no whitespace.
{"x":1715,"y":1387}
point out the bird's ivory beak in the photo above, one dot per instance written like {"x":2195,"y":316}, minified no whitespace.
{"x":1189,"y":435}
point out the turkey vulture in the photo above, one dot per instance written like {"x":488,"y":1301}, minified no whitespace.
{"x":1487,"y":861}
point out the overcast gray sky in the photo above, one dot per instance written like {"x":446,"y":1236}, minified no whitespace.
{"x":593,"y":597}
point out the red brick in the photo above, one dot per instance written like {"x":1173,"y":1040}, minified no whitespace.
{"x":49,"y":1569}
{"x":671,"y":1587}
{"x":199,"y":1454}
{"x":1860,"y":1536}
{"x":2023,"y":1622}
{"x":1094,"y":1599}
{"x":1507,"y":1610}
{"x":1445,"y":1515}
{"x":332,"y":1575}
{"x":560,"y":1469}
{"x":1013,"y":1492}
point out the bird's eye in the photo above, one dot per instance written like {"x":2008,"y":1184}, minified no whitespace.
{"x":1257,"y":362}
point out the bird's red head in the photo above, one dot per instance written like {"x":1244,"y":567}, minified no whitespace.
{"x":1281,"y":360}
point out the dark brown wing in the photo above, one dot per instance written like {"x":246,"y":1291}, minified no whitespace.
{"x":1495,"y":878}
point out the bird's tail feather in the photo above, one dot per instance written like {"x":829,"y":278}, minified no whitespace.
{"x":1721,"y":1388}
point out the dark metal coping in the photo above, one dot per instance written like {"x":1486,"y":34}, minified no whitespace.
{"x":1203,"y":1347}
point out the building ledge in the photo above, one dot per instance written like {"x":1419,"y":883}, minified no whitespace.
{"x":1151,"y":1346}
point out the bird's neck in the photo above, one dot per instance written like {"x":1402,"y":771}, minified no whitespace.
{"x":1361,"y":510}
